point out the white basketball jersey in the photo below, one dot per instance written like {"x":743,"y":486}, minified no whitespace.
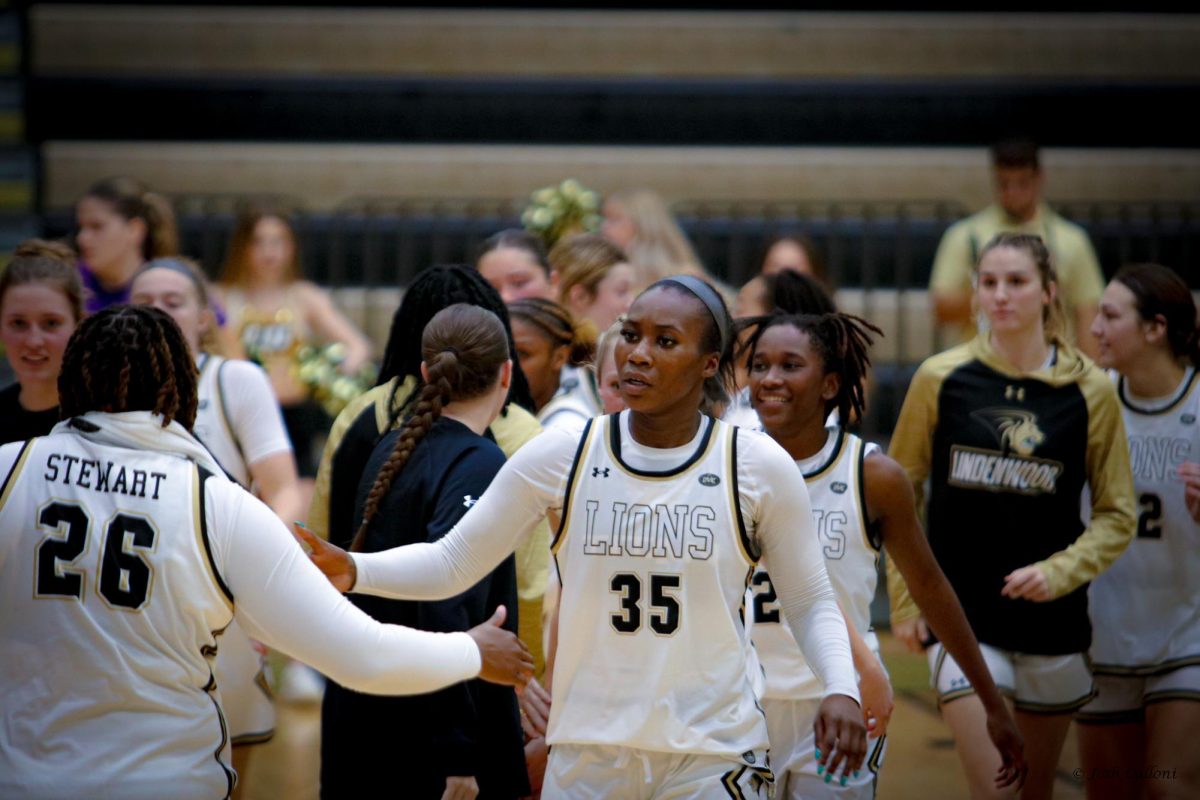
{"x":212,"y":426}
{"x":108,"y":607}
{"x":1146,"y":607}
{"x":652,"y":650}
{"x":836,"y":490}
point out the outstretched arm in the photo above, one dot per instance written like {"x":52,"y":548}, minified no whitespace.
{"x":891,"y":504}
{"x":529,"y":484}
{"x":282,"y":600}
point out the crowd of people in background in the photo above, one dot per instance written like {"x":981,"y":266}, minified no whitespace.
{"x":1038,"y":503}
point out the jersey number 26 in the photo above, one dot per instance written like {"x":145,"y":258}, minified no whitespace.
{"x":125,"y":576}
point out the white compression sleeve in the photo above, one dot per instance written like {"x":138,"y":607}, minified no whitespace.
{"x":790,"y":550}
{"x":527,"y":486}
{"x":283,"y":600}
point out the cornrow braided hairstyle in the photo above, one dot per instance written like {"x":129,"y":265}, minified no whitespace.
{"x":463,"y":347}
{"x":435,"y":289}
{"x":129,"y":358}
{"x":558,"y":326}
{"x":843,"y":342}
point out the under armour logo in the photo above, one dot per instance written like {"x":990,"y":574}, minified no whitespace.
{"x":1014,"y":393}
{"x":469,"y":501}
{"x":599,"y":473}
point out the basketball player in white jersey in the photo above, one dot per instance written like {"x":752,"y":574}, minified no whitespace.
{"x":239,"y":421}
{"x":803,"y":369}
{"x":661,"y":514}
{"x":124,"y":551}
{"x":1146,"y":608}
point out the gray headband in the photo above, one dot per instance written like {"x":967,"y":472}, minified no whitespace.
{"x":175,"y":265}
{"x":712,"y":301}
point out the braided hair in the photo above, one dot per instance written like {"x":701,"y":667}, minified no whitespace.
{"x":129,"y":358}
{"x":463,"y":347}
{"x":843,"y":342}
{"x":558,"y":326}
{"x":435,"y":289}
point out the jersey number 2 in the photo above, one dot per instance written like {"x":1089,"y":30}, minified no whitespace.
{"x":664,"y":607}
{"x":124,"y":575}
{"x":1148,"y":525}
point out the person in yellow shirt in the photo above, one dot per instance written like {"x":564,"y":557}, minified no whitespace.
{"x":1019,"y":180}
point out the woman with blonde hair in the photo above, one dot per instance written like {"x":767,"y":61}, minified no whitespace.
{"x":639,"y":221}
{"x":272,"y":312}
{"x":595,"y":279}
{"x":1012,"y":431}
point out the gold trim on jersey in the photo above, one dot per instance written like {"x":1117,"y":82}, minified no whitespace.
{"x":230,"y":775}
{"x":708,"y":440}
{"x":1147,"y":670}
{"x":745,"y":545}
{"x":199,"y":528}
{"x":839,"y":450}
{"x":1184,"y":393}
{"x":581,"y":454}
{"x":10,"y":480}
{"x":1054,"y":708}
{"x":860,"y":493}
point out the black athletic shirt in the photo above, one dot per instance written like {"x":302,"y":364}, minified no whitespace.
{"x":16,"y":423}
{"x":408,"y":745}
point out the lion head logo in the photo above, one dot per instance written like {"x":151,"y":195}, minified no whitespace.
{"x":1016,"y":429}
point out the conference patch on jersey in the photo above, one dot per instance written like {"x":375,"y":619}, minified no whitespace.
{"x":708,"y":479}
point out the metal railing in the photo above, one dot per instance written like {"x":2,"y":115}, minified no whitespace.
{"x":878,"y":254}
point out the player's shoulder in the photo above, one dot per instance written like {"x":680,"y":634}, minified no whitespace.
{"x":758,"y":454}
{"x":514,"y":427}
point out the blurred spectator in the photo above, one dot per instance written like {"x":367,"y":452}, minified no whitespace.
{"x":272,"y":312}
{"x":1019,"y":179}
{"x":514,"y":262}
{"x":595,"y":280}
{"x":639,"y":222}
{"x":793,"y":251}
{"x":122,"y":225}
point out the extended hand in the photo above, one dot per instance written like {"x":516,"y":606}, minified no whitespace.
{"x":1189,"y":473}
{"x":841,"y":737}
{"x":1004,"y":734}
{"x":332,"y":560}
{"x":460,"y":787}
{"x":535,"y":709}
{"x":506,"y":659}
{"x":912,"y":633}
{"x":1028,"y":583}
{"x":877,"y":701}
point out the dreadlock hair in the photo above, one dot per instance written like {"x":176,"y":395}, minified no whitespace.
{"x":129,"y":358}
{"x":558,"y":326}
{"x":717,"y":388}
{"x":843,"y":342}
{"x":434,"y":289}
{"x":463,"y":347}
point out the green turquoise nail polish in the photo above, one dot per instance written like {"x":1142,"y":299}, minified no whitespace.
{"x":856,"y":773}
{"x":818,"y":755}
{"x":843,"y":781}
{"x":820,"y":768}
{"x":828,"y":777}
